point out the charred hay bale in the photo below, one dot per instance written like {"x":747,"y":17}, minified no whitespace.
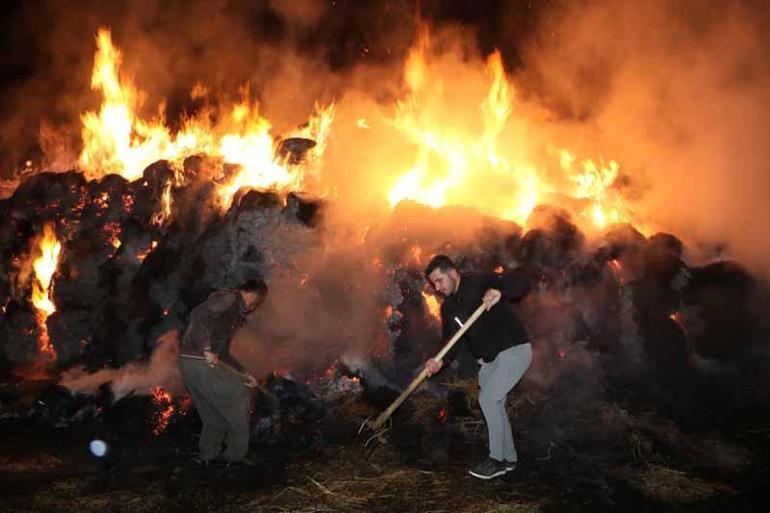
{"x":722,"y":309}
{"x":78,"y":277}
{"x":19,"y":334}
{"x":621,"y":240}
{"x":260,"y":201}
{"x":148,"y":191}
{"x":657,"y":291}
{"x":70,"y":331}
{"x":553,"y":240}
{"x":495,"y":244}
{"x":665,"y":344}
{"x":48,"y":195}
{"x":108,"y":199}
{"x":194,"y":206}
{"x":291,"y":421}
{"x":294,"y":149}
{"x":305,"y":209}
{"x":665,"y":244}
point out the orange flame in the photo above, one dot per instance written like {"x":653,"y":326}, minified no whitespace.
{"x":460,"y":152}
{"x":162,"y":216}
{"x":434,"y":307}
{"x":117,"y":140}
{"x":42,"y":289}
{"x":141,"y":256}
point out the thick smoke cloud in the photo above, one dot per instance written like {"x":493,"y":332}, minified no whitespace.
{"x":677,"y":92}
{"x":289,"y":54}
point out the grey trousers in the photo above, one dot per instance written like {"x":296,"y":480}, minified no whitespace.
{"x":496,"y":379}
{"x":223,"y":403}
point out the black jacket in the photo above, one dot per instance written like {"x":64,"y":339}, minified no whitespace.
{"x":496,"y":330}
{"x":212,"y":324}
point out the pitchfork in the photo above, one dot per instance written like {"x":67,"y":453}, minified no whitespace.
{"x":376,"y":425}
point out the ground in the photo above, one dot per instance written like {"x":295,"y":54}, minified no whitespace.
{"x":49,"y":469}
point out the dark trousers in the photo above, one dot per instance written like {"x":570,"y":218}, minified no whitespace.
{"x":223,"y":403}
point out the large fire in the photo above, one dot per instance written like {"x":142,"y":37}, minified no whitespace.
{"x":482,"y":158}
{"x":117,"y":140}
{"x":42,"y":290}
{"x":468,"y":139}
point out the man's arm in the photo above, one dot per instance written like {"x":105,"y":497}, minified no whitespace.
{"x":450,"y":324}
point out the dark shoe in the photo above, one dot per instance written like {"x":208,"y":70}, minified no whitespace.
{"x":217,"y":462}
{"x":488,"y":469}
{"x":510,"y":465}
{"x":242,"y":463}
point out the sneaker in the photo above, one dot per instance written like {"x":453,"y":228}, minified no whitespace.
{"x":510,"y":465}
{"x":488,"y":469}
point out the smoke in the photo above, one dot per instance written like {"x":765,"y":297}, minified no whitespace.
{"x":677,"y":93}
{"x":136,"y":377}
{"x":289,"y":55}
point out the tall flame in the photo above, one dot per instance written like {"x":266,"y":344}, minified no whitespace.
{"x":434,"y":307}
{"x":484,"y":158}
{"x":117,"y":140}
{"x":42,"y":290}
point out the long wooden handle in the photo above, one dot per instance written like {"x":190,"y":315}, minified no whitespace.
{"x":417,"y":381}
{"x":243,"y":376}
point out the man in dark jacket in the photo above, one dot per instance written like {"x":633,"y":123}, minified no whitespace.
{"x":497,"y":339}
{"x":221,"y":398}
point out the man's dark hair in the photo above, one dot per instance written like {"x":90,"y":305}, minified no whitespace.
{"x":255,"y":286}
{"x":442,"y":262}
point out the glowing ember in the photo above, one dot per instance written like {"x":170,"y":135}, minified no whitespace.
{"x":678,"y":318}
{"x":499,"y":269}
{"x":434,"y":307}
{"x":443,"y":415}
{"x":42,"y":288}
{"x":617,"y":270}
{"x":165,"y":404}
{"x":141,"y":256}
{"x":112,"y":231}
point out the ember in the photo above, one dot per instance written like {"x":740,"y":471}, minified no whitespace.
{"x":165,"y":405}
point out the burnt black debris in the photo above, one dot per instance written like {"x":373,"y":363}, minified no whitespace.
{"x":634,"y":345}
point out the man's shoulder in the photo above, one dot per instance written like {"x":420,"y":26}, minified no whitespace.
{"x":220,"y":299}
{"x":477,"y":280}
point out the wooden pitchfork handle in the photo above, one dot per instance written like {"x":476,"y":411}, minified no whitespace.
{"x":243,"y":376}
{"x":379,"y":421}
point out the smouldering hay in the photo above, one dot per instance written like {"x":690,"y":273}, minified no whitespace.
{"x":426,"y":405}
{"x":669,"y":485}
{"x":34,"y":463}
{"x":80,"y":495}
{"x":469,"y":386}
{"x":353,"y":484}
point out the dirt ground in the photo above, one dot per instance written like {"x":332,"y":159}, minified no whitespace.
{"x":44,"y":469}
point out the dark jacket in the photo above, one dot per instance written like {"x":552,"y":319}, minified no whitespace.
{"x":496,"y":330}
{"x":212,"y":324}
